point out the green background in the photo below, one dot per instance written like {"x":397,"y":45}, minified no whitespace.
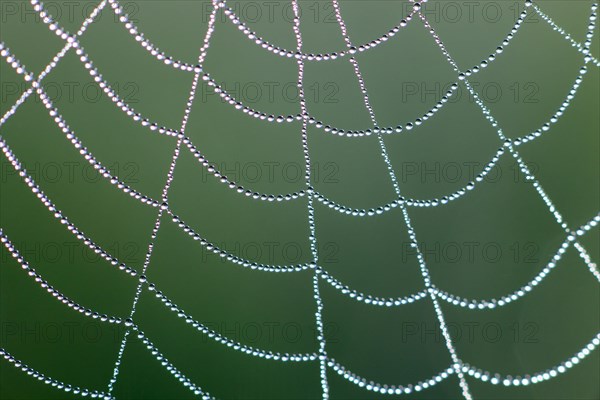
{"x":369,"y":254}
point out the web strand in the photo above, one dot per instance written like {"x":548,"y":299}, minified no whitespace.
{"x":458,"y":367}
{"x":311,"y":211}
{"x":216,"y":250}
{"x":341,"y":370}
{"x":508,"y":142}
{"x":453,"y":299}
{"x":156,"y":53}
{"x":457,"y":364}
{"x":411,"y":202}
{"x":56,"y":59}
{"x":279,"y":197}
{"x":165,"y":195}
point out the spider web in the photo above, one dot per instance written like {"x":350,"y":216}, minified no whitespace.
{"x":509,"y":148}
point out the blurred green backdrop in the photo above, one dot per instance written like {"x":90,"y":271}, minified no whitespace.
{"x":503,"y":221}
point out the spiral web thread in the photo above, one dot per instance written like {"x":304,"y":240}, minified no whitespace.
{"x":431,"y":291}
